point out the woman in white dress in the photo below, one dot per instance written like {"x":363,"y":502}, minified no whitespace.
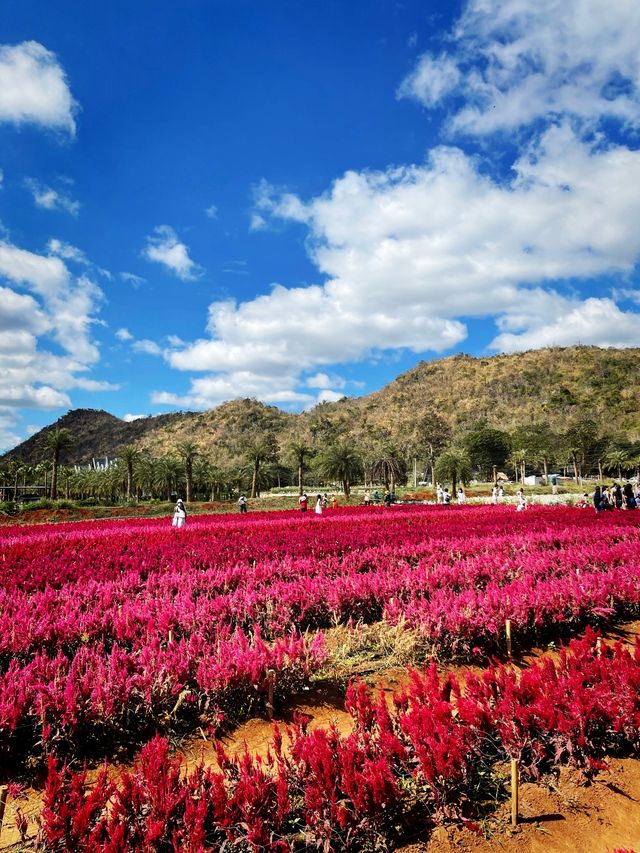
{"x":179,"y":514}
{"x":319,"y":505}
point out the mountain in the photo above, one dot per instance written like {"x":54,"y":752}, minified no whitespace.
{"x":505,"y":391}
{"x":96,"y":434}
{"x":546,"y":385}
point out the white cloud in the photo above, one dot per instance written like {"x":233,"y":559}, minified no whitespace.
{"x":147,"y":347}
{"x":34,"y":89}
{"x":42,"y":305}
{"x":431,"y":79}
{"x":67,"y":251}
{"x":124,"y":335}
{"x":164,"y":248}
{"x":270,"y":201}
{"x":257,"y":222}
{"x":128,"y":418}
{"x":210,"y":391}
{"x":622,"y":293}
{"x":329,"y":396}
{"x":324,"y":381}
{"x":594,"y":321}
{"x":131,"y":278}
{"x":410,"y":252}
{"x":523,"y":60}
{"x":236,"y":268}
{"x":211,"y":212}
{"x":48,"y":198}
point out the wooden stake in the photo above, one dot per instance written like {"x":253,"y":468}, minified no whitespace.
{"x":514,"y":792}
{"x":3,"y":803}
{"x":599,"y":647}
{"x":271,"y":681}
{"x":507,"y":629}
{"x":170,"y":637}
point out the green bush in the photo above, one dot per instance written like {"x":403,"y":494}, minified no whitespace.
{"x":65,"y":505}
{"x":9,"y":508}
{"x":43,"y":503}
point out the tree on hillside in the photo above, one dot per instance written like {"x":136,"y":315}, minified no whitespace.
{"x":487,"y":447}
{"x":545,"y":443}
{"x":323,"y":426}
{"x":427,"y":437}
{"x":524,"y":449}
{"x":340,"y":462}
{"x":453,"y":465}
{"x":57,"y":441}
{"x":129,"y":454}
{"x":581,"y":443}
{"x":300,"y":452}
{"x":188,"y":451}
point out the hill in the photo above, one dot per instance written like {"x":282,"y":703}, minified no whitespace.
{"x":505,"y":391}
{"x":547,"y":385}
{"x":96,"y":434}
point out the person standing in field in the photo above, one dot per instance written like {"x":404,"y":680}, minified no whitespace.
{"x":242,"y":503}
{"x":597,"y":499}
{"x":367,"y":498}
{"x":628,"y":498}
{"x":461,"y":497}
{"x":319,"y":505}
{"x":617,"y":495}
{"x":494,"y":495}
{"x":179,"y":514}
{"x":303,"y":500}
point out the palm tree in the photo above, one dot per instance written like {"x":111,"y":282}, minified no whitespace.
{"x":4,"y":479}
{"x":454,"y":464}
{"x":188,"y":451}
{"x":44,"y":467}
{"x":16,"y":467}
{"x":617,"y":460}
{"x":341,"y":462}
{"x":258,"y":448}
{"x":168,"y":473}
{"x":389,"y":467}
{"x":129,"y":455}
{"x":300,"y":452}
{"x":56,"y":441}
{"x":145,"y":473}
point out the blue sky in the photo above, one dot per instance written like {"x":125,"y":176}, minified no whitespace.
{"x":295,"y":201}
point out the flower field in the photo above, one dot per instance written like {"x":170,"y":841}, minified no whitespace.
{"x":112,"y":632}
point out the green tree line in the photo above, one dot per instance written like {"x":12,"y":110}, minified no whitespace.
{"x":326,"y":453}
